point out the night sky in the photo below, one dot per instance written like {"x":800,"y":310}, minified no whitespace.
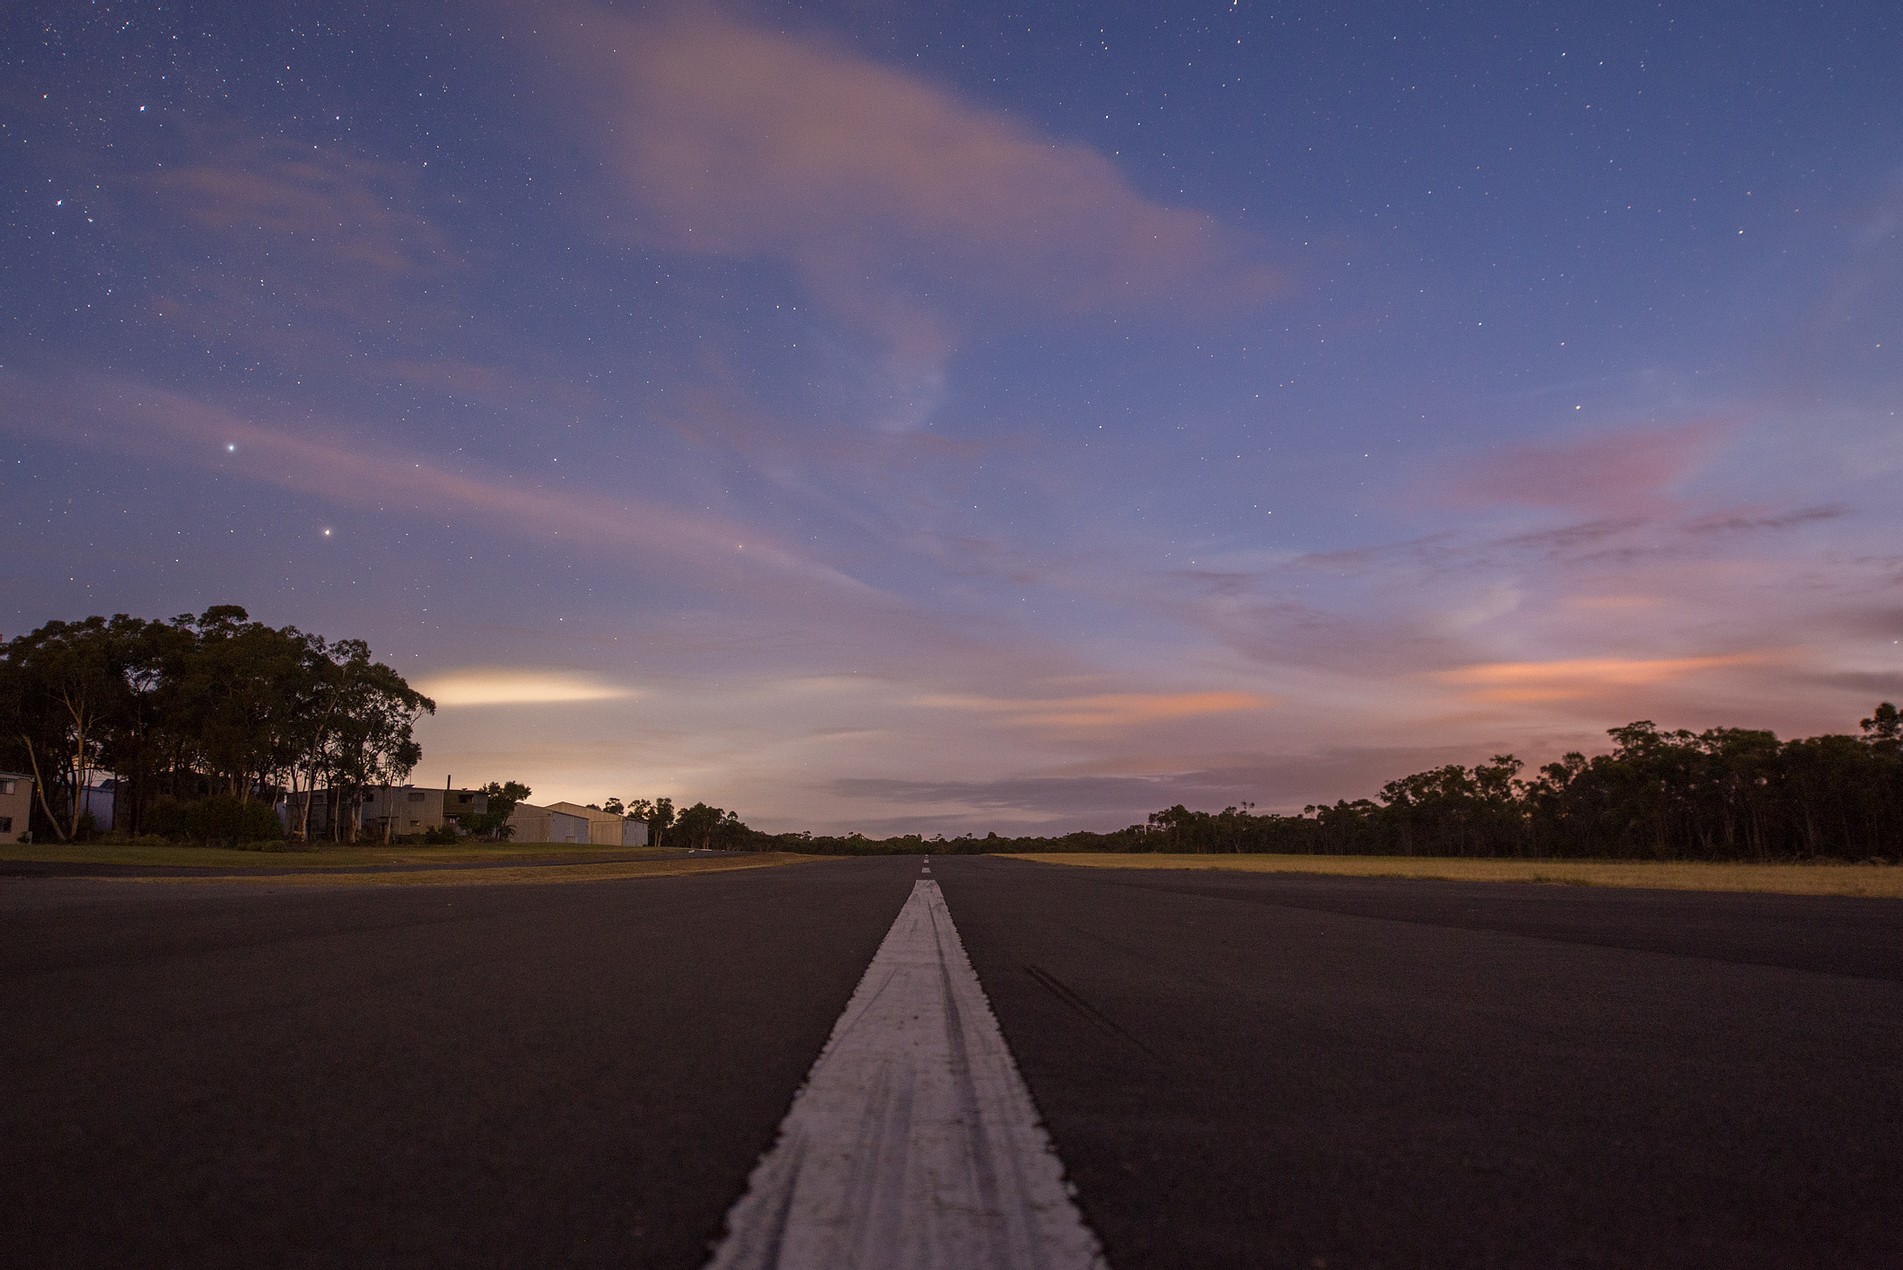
{"x":940,"y":416}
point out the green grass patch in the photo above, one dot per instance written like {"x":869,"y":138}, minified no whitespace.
{"x":1880,"y":881}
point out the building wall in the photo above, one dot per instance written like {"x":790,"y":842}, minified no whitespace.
{"x":546,"y":824}
{"x":408,"y":809}
{"x":605,"y":828}
{"x":419,"y":810}
{"x":634,"y":833}
{"x":98,"y":801}
{"x":16,"y":806}
{"x":416,"y":810}
{"x":458,"y":803}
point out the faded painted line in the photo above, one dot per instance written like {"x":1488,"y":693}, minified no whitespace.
{"x":914,"y":1143}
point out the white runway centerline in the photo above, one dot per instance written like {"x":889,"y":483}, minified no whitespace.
{"x":914,"y":1143}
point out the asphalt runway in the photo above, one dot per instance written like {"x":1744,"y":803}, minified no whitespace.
{"x":1249,"y":1070}
{"x":572,"y":1075}
{"x":1236,"y":1070}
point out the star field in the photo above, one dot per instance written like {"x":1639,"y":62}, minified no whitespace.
{"x":929,"y":417}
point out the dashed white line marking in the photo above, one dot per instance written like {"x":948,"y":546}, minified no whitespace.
{"x":914,"y":1143}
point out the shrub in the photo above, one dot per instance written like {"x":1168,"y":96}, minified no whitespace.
{"x":440,"y":836}
{"x":220,"y":820}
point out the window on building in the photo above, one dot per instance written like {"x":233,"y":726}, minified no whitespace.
{"x":6,"y":822}
{"x":416,"y":796}
{"x":6,"y":787}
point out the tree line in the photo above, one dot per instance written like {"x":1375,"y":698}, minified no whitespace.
{"x":1724,"y":794}
{"x":1721,"y":794}
{"x":208,"y":722}
{"x":700,"y":827}
{"x":205,"y":721}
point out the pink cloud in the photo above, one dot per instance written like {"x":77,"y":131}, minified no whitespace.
{"x":1581,"y":677}
{"x":745,"y":141}
{"x":128,"y":419}
{"x":308,"y":246}
{"x":498,"y":387}
{"x":1622,"y":470}
{"x":1101,"y":711}
{"x":356,"y":211}
{"x":898,"y":204}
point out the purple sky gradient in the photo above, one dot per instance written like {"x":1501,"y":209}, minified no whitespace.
{"x":915,"y":416}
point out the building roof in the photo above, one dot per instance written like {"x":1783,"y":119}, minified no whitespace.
{"x":590,"y":813}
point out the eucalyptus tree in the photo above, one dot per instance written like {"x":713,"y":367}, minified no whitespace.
{"x":206,"y":703}
{"x":324,"y":720}
{"x":1883,"y":730}
{"x":702,"y":827}
{"x":236,"y":697}
{"x":501,"y":800}
{"x":66,"y":690}
{"x":265,"y":708}
{"x":373,"y":739}
{"x":658,"y":814}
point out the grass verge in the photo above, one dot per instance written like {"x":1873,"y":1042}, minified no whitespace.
{"x":512,"y":862}
{"x":546,"y":873}
{"x":323,"y":856}
{"x":1879,"y":881}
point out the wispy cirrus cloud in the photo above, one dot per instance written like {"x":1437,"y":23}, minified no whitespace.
{"x":352,"y":208}
{"x":330,"y":259}
{"x":498,"y":387}
{"x":1098,"y":711}
{"x":894,"y":200}
{"x":1579,"y":677}
{"x":1605,"y":473}
{"x":741,"y":140}
{"x":133,"y":419}
{"x":298,"y":235}
{"x":1755,"y":520}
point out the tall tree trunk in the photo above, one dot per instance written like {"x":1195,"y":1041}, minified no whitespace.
{"x":77,"y":714}
{"x":39,"y":788}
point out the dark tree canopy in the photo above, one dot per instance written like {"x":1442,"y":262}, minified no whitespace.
{"x":1722,"y":794}
{"x":213,"y":705}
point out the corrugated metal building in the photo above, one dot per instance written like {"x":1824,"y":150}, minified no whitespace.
{"x":606,"y":828}
{"x":546,"y":824}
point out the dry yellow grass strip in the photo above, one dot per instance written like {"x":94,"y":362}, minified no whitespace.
{"x":536,"y":874}
{"x":1880,"y":881}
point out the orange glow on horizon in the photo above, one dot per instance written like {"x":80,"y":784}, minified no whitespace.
{"x":1527,"y":681}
